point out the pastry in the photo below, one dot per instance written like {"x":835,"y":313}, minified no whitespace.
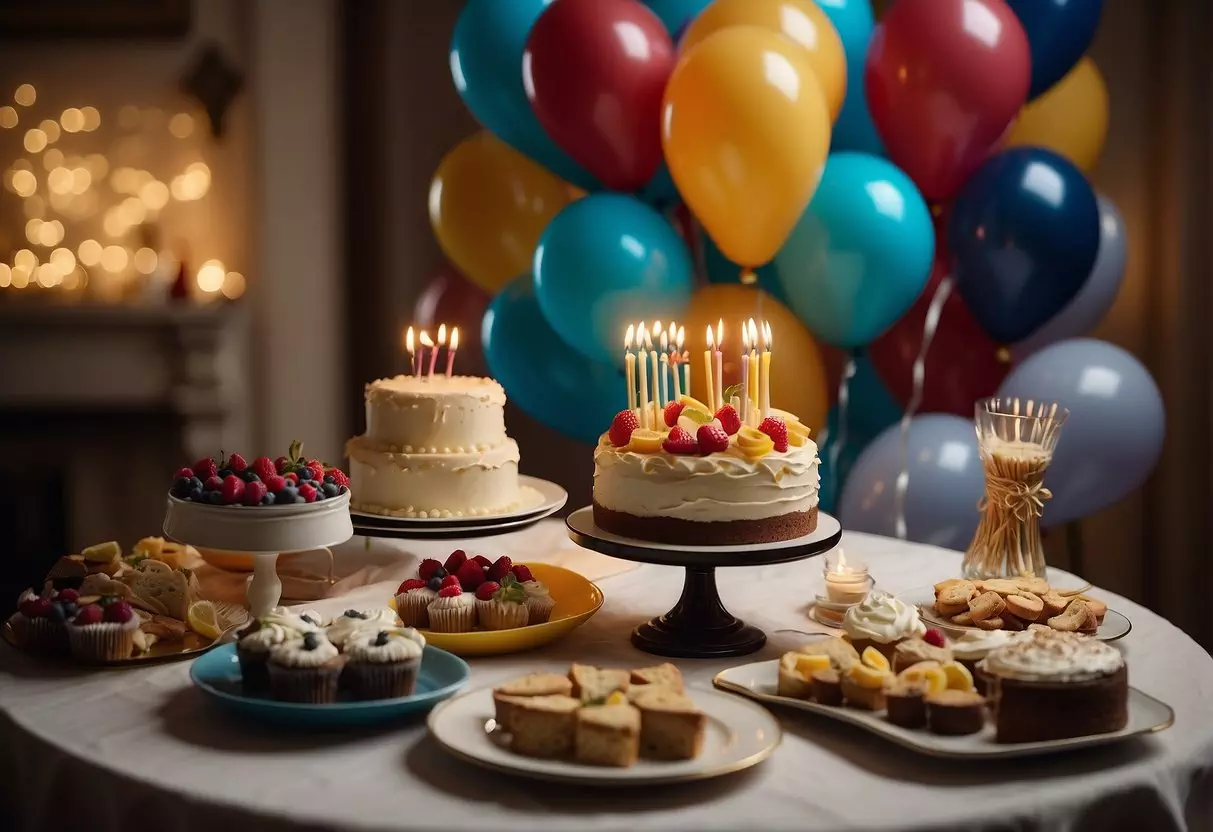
{"x":841,"y":653}
{"x":863,"y":686}
{"x":305,"y":669}
{"x":383,"y":664}
{"x":826,"y":687}
{"x":1016,"y":604}
{"x":905,"y":705}
{"x":255,"y":641}
{"x":955,"y":712}
{"x":40,"y":623}
{"x":796,"y":671}
{"x":663,"y":675}
{"x":543,"y":726}
{"x":607,"y":735}
{"x":1096,"y":606}
{"x":1053,"y":604}
{"x":671,"y":727}
{"x":162,"y":589}
{"x":352,"y":622}
{"x":915,"y":650}
{"x":593,"y":684}
{"x":534,"y":684}
{"x":994,"y":623}
{"x":501,"y":606}
{"x":881,"y":621}
{"x":103,"y":632}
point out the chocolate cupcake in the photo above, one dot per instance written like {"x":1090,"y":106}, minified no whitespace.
{"x":905,"y":705}
{"x":383,"y":665}
{"x":956,"y":712}
{"x":254,"y":643}
{"x":305,"y":670}
{"x":826,"y":687}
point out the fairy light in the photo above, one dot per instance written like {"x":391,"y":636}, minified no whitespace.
{"x":97,"y":165}
{"x":6,"y":276}
{"x":24,"y":183}
{"x":92,"y":119}
{"x":113,"y":259}
{"x":72,"y":120}
{"x":133,"y":211}
{"x":25,"y":95}
{"x":155,"y":195}
{"x":35,"y":140}
{"x":63,"y":260}
{"x":59,"y":181}
{"x":145,"y":260}
{"x":114,"y":223}
{"x":81,"y":180}
{"x":51,"y":128}
{"x":50,"y":234}
{"x":89,"y":252}
{"x":8,"y":120}
{"x":32,"y":231}
{"x":233,"y":285}
{"x":211,"y":276}
{"x":52,"y":159}
{"x":25,"y":259}
{"x":181,"y":125}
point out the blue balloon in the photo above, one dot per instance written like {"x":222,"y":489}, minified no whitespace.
{"x":720,"y":269}
{"x":1059,"y":32}
{"x":854,"y":129}
{"x":945,"y":482}
{"x":486,"y":64}
{"x":870,"y":410}
{"x":1024,"y":233}
{"x":676,"y":14}
{"x":861,"y":252}
{"x":606,"y":261}
{"x":1114,"y":434}
{"x":550,"y":382}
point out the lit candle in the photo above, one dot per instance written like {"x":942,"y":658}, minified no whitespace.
{"x":665,"y":369}
{"x":408,"y":345}
{"x":437,"y":349}
{"x":847,"y":582}
{"x":450,"y":353}
{"x":644,"y":378}
{"x":754,"y":413}
{"x":707,"y":367}
{"x":745,"y":376}
{"x":686,"y":362}
{"x":426,"y":342}
{"x":676,"y":358}
{"x":629,"y":359}
{"x":766,"y":369}
{"x":648,"y":345}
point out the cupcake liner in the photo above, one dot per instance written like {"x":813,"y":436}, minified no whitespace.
{"x":540,"y":609}
{"x":412,"y":607}
{"x":502,"y":615}
{"x":40,"y":635}
{"x":452,"y":619}
{"x":254,"y":669}
{"x":367,"y":680}
{"x":105,"y":642}
{"x":308,"y":685}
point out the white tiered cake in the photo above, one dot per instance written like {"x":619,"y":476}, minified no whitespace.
{"x":435,"y":446}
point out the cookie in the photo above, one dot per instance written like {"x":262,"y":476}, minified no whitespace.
{"x":1098,"y":607}
{"x":964,"y":619}
{"x":988,"y":604}
{"x":942,"y":585}
{"x":1054,"y":604}
{"x":1074,"y":617}
{"x":957,"y":593}
{"x":949,"y":610}
{"x":1026,"y":606}
{"x":1090,"y":624}
{"x":1003,"y":586}
{"x":994,"y":623}
{"x":1036,"y":586}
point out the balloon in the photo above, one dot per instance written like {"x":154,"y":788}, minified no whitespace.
{"x":798,"y":383}
{"x":962,"y":364}
{"x":721,"y":269}
{"x":607,"y":261}
{"x":801,"y":21}
{"x":1071,"y":118}
{"x":853,"y":129}
{"x":1059,"y":32}
{"x":944,"y":79}
{"x":595,"y":74}
{"x":861,"y":252}
{"x":486,"y":63}
{"x":746,"y":129}
{"x":1024,"y":233}
{"x":488,"y":206}
{"x":1097,"y":295}
{"x":452,"y":299}
{"x":1113,"y":437}
{"x":945,"y":482}
{"x":550,"y":382}
{"x":677,"y":14}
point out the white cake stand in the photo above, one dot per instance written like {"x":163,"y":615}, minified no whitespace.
{"x":263,"y":532}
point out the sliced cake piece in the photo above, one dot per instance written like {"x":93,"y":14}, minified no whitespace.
{"x":594,"y":684}
{"x":608,"y":735}
{"x":543,"y":726}
{"x":671,"y":727}
{"x":534,"y":684}
{"x":663,"y":675}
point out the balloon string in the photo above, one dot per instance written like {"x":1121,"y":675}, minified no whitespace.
{"x":919,"y":379}
{"x":840,"y":434}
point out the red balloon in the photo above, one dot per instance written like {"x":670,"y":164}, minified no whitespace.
{"x":451,"y":299}
{"x":962,"y":364}
{"x":595,"y":73}
{"x":944,"y":80}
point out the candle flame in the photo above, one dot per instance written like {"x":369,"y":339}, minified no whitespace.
{"x":711,"y":343}
{"x":766,"y":335}
{"x":753,"y":330}
{"x":648,"y":341}
{"x":454,"y":339}
{"x":681,"y":335}
{"x":408,"y":340}
{"x":665,"y":342}
{"x":424,"y":338}
{"x":627,"y":339}
{"x":441,"y":334}
{"x":656,"y":328}
{"x":719,"y":331}
{"x":840,"y":566}
{"x":745,"y":338}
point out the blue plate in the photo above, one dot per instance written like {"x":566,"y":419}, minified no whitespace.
{"x":217,"y":674}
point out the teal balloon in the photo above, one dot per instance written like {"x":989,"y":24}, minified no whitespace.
{"x":871,"y":409}
{"x":550,"y":382}
{"x":721,"y":269}
{"x":676,"y":14}
{"x":854,"y":129}
{"x":486,"y":65}
{"x":606,"y":261}
{"x":860,"y":254}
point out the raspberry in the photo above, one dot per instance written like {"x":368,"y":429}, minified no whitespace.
{"x":729,"y":420}
{"x":308,"y":492}
{"x":233,"y":490}
{"x":253,"y":492}
{"x":455,"y":560}
{"x":621,"y":428}
{"x":935,"y":638}
{"x":410,"y":584}
{"x":484,"y":562}
{"x":184,"y":474}
{"x":281,"y":464}
{"x":67,"y":596}
{"x":275,"y":483}
{"x":470,"y":575}
{"x":291,"y":476}
{"x":672,"y":411}
{"x":36,"y":607}
{"x":236,"y":463}
{"x":450,"y":592}
{"x":264,"y":468}
{"x":500,"y":569}
{"x":777,"y":429}
{"x":204,"y":469}
{"x":119,"y":612}
{"x":88,"y":614}
{"x":317,"y":468}
{"x":680,"y":442}
{"x":339,"y":477}
{"x":522,"y":572}
{"x":427,"y":569}
{"x":213,"y":484}
{"x":485,"y":591}
{"x":712,"y":439}
{"x":449,"y":580}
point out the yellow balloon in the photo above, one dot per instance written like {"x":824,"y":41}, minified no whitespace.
{"x":798,"y":375}
{"x":801,"y":21}
{"x":745,"y":130}
{"x":1071,"y":118}
{"x":488,"y":206}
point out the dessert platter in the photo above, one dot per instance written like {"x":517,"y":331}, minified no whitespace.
{"x":605,"y":727}
{"x":298,"y":668}
{"x":103,"y":606}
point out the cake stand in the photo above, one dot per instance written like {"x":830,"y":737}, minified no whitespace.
{"x":698,"y":626}
{"x":263,"y":532}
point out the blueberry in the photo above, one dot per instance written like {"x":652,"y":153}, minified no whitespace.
{"x":58,"y":613}
{"x":249,"y":475}
{"x":215,"y":497}
{"x":181,"y":487}
{"x":268,"y":499}
{"x":435,"y":583}
{"x":195,"y":483}
{"x":361,"y":616}
{"x":298,"y":499}
{"x":440,"y":572}
{"x":330,"y":489}
{"x":381,"y":638}
{"x":311,"y":641}
{"x":224,"y":473}
{"x":195,"y":495}
{"x":344,"y":489}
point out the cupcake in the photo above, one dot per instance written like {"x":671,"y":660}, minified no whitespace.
{"x":883,"y":622}
{"x":453,"y":611}
{"x":350,"y":622}
{"x":103,"y":632}
{"x":383,"y":664}
{"x":502,"y":606}
{"x":906,"y":704}
{"x":40,"y":623}
{"x":262,"y":635}
{"x":305,"y":669}
{"x":412,"y":598}
{"x":538,"y":600}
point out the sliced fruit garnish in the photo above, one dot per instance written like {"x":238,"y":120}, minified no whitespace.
{"x":204,"y":619}
{"x":957,"y":675}
{"x":875,"y":659}
{"x":699,"y":417}
{"x":868,"y":677}
{"x":691,"y":401}
{"x":806,"y":664}
{"x":915,"y":672}
{"x":645,"y":441}
{"x":935,"y":679}
{"x":797,"y":440}
{"x":617,"y":698}
{"x":754,"y":443}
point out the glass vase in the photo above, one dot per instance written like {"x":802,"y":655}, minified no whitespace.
{"x":1015,"y":438}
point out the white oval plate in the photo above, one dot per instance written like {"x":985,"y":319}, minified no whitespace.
{"x":1114,"y":626}
{"x":739,"y":734}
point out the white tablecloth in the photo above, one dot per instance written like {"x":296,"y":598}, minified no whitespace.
{"x":141,"y":749}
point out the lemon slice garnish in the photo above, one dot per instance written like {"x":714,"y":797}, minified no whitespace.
{"x":958,"y":676}
{"x":874,"y":659}
{"x":204,"y":619}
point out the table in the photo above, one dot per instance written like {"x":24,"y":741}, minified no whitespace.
{"x":141,"y":748}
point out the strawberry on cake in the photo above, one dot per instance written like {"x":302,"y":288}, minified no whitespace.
{"x":706,"y":478}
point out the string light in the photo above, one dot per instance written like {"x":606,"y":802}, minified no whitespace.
{"x":97,"y":165}
{"x":20,"y":277}
{"x":211,"y":276}
{"x":6,"y":276}
{"x":181,"y":125}
{"x":8,"y":120}
{"x":24,"y":183}
{"x":145,"y":260}
{"x":72,"y":120}
{"x":32,"y":230}
{"x":26,"y":260}
{"x":50,"y":234}
{"x":233,"y":285}
{"x":114,"y":224}
{"x":113,"y":259}
{"x":35,"y":140}
{"x":52,"y":159}
{"x":51,"y":128}
{"x":89,"y":252}
{"x":25,"y":95}
{"x":155,"y":195}
{"x":63,"y":260}
{"x":81,"y":180}
{"x":59,"y":181}
{"x":92,"y":118}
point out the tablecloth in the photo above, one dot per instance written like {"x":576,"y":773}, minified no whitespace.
{"x":141,"y":749}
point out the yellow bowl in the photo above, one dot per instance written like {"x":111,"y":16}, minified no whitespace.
{"x":577,"y":599}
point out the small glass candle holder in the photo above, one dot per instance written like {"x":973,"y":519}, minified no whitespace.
{"x":846,"y":579}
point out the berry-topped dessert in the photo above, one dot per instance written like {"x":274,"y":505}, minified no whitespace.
{"x":234,"y":481}
{"x":454,"y":595}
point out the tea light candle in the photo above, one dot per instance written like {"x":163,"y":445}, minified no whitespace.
{"x":847,"y":581}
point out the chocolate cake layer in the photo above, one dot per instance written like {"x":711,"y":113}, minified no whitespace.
{"x":691,"y":533}
{"x":1026,"y":711}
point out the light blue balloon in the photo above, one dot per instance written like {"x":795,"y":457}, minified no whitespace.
{"x":675,"y":14}
{"x":945,"y":483}
{"x":1114,"y":434}
{"x":860,"y":254}
{"x":854,"y":129}
{"x":486,"y":65}
{"x":870,"y":410}
{"x":550,"y":382}
{"x":721,"y":269}
{"x":604,"y":262}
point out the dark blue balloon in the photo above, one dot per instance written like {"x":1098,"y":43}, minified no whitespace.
{"x":1023,"y":233}
{"x":871,"y":409}
{"x":1059,"y":32}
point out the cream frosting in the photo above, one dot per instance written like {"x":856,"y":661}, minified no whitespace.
{"x":385,"y":646}
{"x":719,"y":487}
{"x":975,"y":644}
{"x":535,"y":589}
{"x":345,"y":625}
{"x":883,"y":618}
{"x":275,"y":627}
{"x":453,"y":602}
{"x":313,"y":651}
{"x":1052,"y":656}
{"x":463,"y":412}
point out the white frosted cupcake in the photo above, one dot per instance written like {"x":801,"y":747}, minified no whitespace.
{"x":502,"y":606}
{"x":305,"y":669}
{"x":383,"y":664}
{"x":883,"y":622}
{"x":262,"y":635}
{"x":350,"y":622}
{"x":453,"y":611}
{"x":413,"y":597}
{"x":539,"y":601}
